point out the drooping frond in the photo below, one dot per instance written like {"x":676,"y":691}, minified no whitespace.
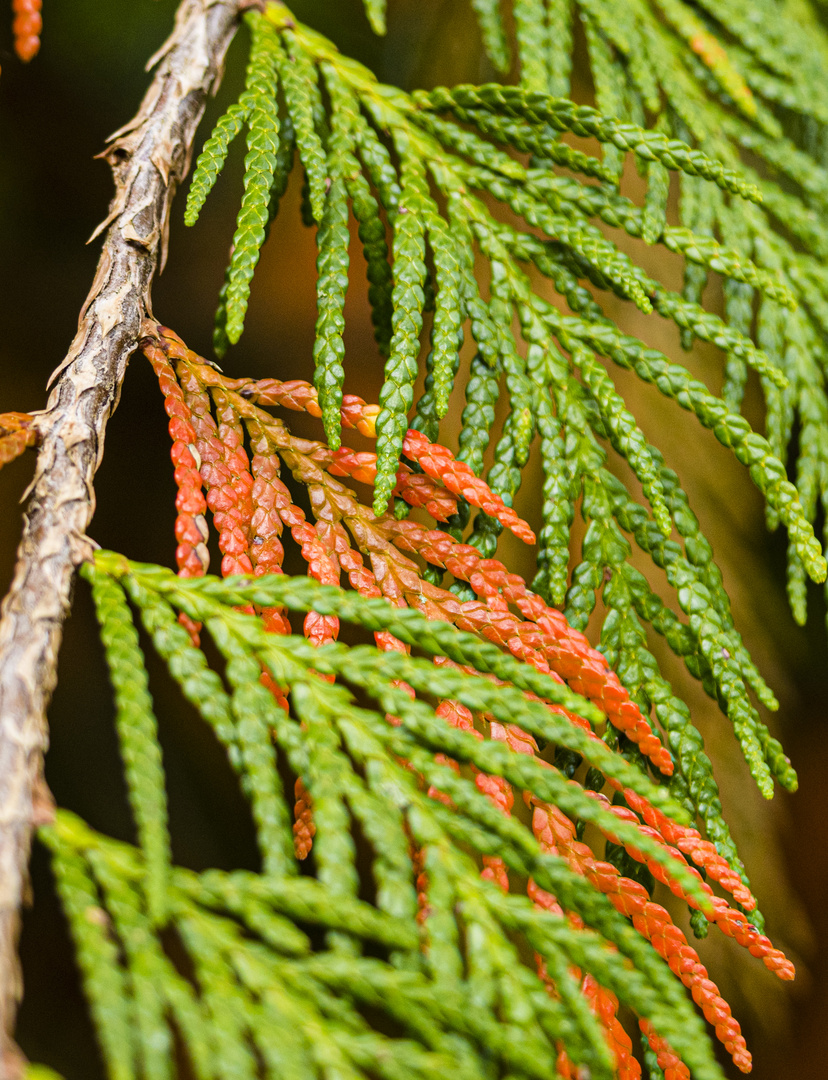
{"x":707,"y":642}
{"x":727,"y":78}
{"x":434,"y":915}
{"x":419,"y":742}
{"x":138,"y":737}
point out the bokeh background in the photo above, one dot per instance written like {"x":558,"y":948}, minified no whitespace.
{"x":54,"y":117}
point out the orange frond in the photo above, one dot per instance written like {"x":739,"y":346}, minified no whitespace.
{"x":26,"y":28}
{"x":17,"y":433}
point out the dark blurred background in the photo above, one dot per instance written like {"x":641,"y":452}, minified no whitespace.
{"x":54,"y":117}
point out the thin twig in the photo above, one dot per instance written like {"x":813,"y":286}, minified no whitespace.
{"x":149,"y":158}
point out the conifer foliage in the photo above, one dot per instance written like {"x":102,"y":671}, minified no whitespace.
{"x":427,"y":903}
{"x":28,"y":22}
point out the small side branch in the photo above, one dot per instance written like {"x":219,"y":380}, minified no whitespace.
{"x":149,"y":158}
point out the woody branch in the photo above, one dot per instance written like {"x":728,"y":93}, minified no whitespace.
{"x":149,"y":158}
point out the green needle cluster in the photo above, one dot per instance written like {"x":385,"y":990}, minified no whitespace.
{"x":266,"y":995}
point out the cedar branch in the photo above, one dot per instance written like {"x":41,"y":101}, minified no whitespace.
{"x":149,"y":157}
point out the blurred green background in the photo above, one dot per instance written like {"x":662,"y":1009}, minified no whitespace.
{"x":54,"y":117}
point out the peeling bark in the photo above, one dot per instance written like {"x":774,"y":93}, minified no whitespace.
{"x":149,"y":157}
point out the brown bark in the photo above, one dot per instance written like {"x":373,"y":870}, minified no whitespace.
{"x":149,"y":157}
